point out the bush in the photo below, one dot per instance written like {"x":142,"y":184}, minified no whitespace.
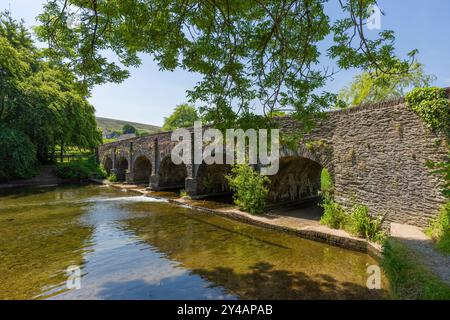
{"x":363,"y":225}
{"x":334,"y":214}
{"x":112,"y":177}
{"x":326,"y":183}
{"x":17,"y":156}
{"x":357,"y":221}
{"x":80,"y":170}
{"x":439,"y":229}
{"x":250,"y":188}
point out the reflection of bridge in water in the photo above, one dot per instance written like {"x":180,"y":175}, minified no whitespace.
{"x":376,"y":155}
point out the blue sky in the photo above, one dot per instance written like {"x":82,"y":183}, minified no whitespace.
{"x":150,"y":95}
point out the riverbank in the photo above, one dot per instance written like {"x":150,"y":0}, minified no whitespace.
{"x":302,"y":227}
{"x":46,"y":178}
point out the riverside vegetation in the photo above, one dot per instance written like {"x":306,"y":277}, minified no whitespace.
{"x":43,"y":106}
{"x":250,"y":188}
{"x":356,"y":220}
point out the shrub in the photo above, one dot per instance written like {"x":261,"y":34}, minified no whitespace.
{"x":183,"y":193}
{"x":17,"y":155}
{"x":250,"y":188}
{"x":326,"y":183}
{"x":363,"y":225}
{"x":439,"y":229}
{"x":357,"y":220}
{"x":112,"y":177}
{"x":334,"y":214}
{"x":80,"y":169}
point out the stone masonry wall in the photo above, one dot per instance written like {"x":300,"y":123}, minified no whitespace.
{"x":378,"y":159}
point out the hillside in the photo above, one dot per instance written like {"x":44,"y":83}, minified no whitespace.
{"x":116,"y":125}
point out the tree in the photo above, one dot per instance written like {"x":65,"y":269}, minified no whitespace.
{"x":370,"y":87}
{"x":41,"y":99}
{"x":183,"y":116}
{"x":247,"y":52}
{"x":18,"y":156}
{"x":128,"y":128}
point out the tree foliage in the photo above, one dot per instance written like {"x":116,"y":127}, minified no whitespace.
{"x":433,"y":107}
{"x":183,"y":116}
{"x":370,"y":87}
{"x":17,"y":156}
{"x":40,"y":99}
{"x":128,"y":128}
{"x":259,"y":52}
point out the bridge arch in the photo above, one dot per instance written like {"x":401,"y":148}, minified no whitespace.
{"x":321,"y":154}
{"x":142,"y":169}
{"x":107,"y":164}
{"x":211,"y":178}
{"x":171,"y":176}
{"x":122,"y":168}
{"x":298,"y":178}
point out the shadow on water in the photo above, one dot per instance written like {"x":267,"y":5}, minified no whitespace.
{"x":254,"y":263}
{"x":138,"y":248}
{"x":263,"y":282}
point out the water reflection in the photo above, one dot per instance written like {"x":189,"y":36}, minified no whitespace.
{"x":133,"y":247}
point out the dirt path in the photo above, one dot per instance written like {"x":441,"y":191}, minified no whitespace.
{"x":417,"y":241}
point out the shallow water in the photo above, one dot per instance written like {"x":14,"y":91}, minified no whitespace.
{"x":134,"y":247}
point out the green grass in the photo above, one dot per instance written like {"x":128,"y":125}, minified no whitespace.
{"x":82,"y":169}
{"x":444,"y":244}
{"x":109,"y":140}
{"x":117,"y":125}
{"x":439,"y":229}
{"x":408,"y":277}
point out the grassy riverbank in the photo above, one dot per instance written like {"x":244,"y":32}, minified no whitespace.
{"x":408,"y":277}
{"x":80,"y":170}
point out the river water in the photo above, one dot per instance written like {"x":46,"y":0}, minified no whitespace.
{"x":127,"y":246}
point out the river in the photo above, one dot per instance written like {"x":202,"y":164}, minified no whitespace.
{"x":128,"y":246}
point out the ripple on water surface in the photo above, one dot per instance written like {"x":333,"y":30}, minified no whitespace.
{"x":137,"y":247}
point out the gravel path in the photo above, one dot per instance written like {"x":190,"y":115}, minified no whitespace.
{"x":416,"y":240}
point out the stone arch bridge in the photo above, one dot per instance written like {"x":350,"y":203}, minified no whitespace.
{"x":376,"y":155}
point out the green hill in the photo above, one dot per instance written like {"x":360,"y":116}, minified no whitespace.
{"x":116,"y":125}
